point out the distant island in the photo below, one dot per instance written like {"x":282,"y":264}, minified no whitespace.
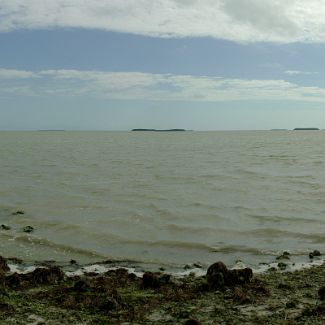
{"x":46,"y":130}
{"x":306,"y":129}
{"x":155,"y":130}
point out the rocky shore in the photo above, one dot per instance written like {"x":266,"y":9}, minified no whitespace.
{"x":48,"y":295}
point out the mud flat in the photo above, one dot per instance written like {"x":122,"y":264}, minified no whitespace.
{"x":49,"y":295}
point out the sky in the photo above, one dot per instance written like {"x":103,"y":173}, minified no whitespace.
{"x":193,"y":64}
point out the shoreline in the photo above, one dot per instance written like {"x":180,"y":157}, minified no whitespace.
{"x":48,"y":295}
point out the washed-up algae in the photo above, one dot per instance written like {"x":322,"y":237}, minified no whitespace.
{"x":48,"y":296}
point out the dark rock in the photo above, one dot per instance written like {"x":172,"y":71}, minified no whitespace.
{"x":6,"y":308}
{"x":321,"y":293}
{"x":73,"y":262}
{"x":5,"y":227}
{"x":318,"y":310}
{"x":192,"y":322}
{"x":28,"y":229}
{"x":132,"y":277}
{"x":291,"y":304}
{"x":239,"y":276}
{"x":154,"y":280}
{"x":51,"y":275}
{"x":218,"y":276}
{"x":109,"y":304}
{"x":15,"y":260}
{"x":282,"y":266}
{"x":150,"y":280}
{"x":3,"y":265}
{"x":316,"y":253}
{"x":19,"y":212}
{"x":14,"y":281}
{"x":284,"y":256}
{"x":121,"y":272}
{"x":197,"y":265}
{"x":81,"y":286}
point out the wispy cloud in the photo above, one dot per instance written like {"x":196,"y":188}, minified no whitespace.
{"x":15,"y":74}
{"x":240,"y":21}
{"x":298,"y":72}
{"x":147,"y":86}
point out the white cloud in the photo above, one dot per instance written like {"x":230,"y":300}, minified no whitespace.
{"x":298,"y":72}
{"x":15,"y":74}
{"x":147,"y":86}
{"x":237,"y":20}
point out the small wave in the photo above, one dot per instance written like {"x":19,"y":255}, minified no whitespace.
{"x":62,"y":247}
{"x":237,"y":249}
{"x":168,"y":243}
{"x":276,"y":219}
{"x":194,"y":229}
{"x":277,"y":233}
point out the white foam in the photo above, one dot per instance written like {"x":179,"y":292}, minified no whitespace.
{"x":198,"y":272}
{"x":21,"y":269}
{"x":100,"y":269}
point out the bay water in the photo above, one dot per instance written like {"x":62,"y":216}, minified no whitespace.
{"x":163,"y":198}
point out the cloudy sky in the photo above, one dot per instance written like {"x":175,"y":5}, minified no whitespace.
{"x":195,"y":64}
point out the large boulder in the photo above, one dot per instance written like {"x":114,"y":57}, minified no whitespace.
{"x":218,"y":276}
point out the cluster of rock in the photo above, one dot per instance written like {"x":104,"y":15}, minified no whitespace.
{"x":27,"y":229}
{"x":218,"y":276}
{"x":118,"y":292}
{"x":96,"y":291}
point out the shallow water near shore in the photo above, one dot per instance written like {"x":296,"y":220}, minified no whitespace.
{"x":166,"y":199}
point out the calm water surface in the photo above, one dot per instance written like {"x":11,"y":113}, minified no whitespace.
{"x":164,"y":198}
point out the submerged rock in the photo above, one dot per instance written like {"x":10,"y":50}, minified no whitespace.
{"x":284,"y":256}
{"x":5,"y":227}
{"x":28,"y":229}
{"x":198,"y":265}
{"x":315,"y":253}
{"x":218,"y":275}
{"x":282,"y":266}
{"x":19,"y":212}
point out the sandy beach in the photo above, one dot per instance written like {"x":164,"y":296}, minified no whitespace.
{"x":48,"y":295}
